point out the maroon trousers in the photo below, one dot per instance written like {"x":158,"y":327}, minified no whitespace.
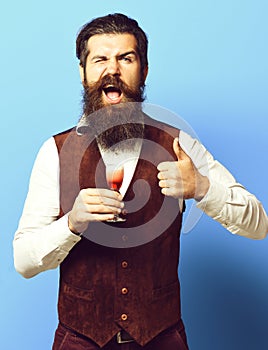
{"x":174,"y":338}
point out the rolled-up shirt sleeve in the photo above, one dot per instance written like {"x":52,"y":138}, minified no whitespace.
{"x":226,"y":201}
{"x":42,"y":241}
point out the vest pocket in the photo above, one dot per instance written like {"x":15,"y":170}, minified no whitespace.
{"x":86,"y":294}
{"x":172,"y":288}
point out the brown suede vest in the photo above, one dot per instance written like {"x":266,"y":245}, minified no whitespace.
{"x":104,"y":289}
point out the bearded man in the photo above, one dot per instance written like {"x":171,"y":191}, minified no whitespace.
{"x":119,"y":286}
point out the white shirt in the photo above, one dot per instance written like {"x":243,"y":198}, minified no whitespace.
{"x":42,"y":241}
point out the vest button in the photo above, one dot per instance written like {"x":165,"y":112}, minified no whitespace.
{"x":124,"y":238}
{"x":124,"y":290}
{"x":123,"y":317}
{"x":124,"y":264}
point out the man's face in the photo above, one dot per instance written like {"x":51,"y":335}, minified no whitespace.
{"x":113,"y":55}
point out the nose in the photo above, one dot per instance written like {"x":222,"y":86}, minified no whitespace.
{"x":113,"y":66}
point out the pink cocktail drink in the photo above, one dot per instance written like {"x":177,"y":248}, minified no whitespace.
{"x":115,"y":177}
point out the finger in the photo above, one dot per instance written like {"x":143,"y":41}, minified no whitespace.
{"x":172,"y":192}
{"x":173,"y":172}
{"x":170,"y":183}
{"x":94,"y":200}
{"x":101,"y":217}
{"x":164,"y":166}
{"x":102,"y":192}
{"x":180,"y":154}
{"x":162,"y":175}
{"x":101,"y":208}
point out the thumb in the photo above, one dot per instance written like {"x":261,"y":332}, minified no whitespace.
{"x":180,"y":154}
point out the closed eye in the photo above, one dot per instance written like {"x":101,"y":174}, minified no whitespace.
{"x":98,"y":59}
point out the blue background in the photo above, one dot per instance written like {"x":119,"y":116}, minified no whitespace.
{"x":208,"y":63}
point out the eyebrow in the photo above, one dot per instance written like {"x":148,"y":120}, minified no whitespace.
{"x":127,"y":53}
{"x":132,"y":52}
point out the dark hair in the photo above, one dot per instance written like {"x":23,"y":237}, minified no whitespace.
{"x":112,"y":24}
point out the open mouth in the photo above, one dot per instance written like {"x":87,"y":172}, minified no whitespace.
{"x":112,"y":93}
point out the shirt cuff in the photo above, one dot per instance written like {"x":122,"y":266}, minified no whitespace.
{"x":64,"y":240}
{"x":66,"y":237}
{"x":213,"y":202}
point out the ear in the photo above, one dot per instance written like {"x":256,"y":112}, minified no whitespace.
{"x":81,"y":72}
{"x":145,"y":72}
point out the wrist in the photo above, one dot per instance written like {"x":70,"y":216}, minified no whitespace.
{"x":72,"y":228}
{"x":202,"y":188}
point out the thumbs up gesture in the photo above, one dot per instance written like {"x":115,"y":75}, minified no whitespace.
{"x":181,"y":179}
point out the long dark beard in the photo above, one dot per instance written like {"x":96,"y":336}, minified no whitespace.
{"x":113,"y":124}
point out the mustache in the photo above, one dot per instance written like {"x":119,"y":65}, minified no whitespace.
{"x":114,"y":80}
